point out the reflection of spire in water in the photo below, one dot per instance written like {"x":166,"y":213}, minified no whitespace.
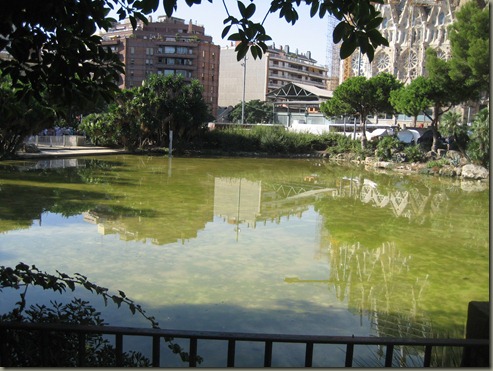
{"x":368,"y":280}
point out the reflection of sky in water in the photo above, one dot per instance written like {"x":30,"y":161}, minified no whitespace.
{"x":219,"y":281}
{"x":267,"y":273}
{"x":217,"y":270}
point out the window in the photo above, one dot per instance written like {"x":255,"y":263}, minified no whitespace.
{"x":181,"y":50}
{"x":441,"y":18}
{"x":149,"y":51}
{"x":132,"y":50}
{"x":169,"y":50}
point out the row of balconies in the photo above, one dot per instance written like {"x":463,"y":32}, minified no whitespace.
{"x":273,"y":66}
{"x":281,"y":81}
{"x":298,"y":77}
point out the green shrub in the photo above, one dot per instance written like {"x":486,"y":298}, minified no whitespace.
{"x":437,"y":163}
{"x":340,"y":143}
{"x":478,"y":149}
{"x":414,"y":153}
{"x":387,"y":146}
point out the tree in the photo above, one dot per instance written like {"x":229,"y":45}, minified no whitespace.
{"x":441,"y":90}
{"x":18,"y":119}
{"x":411,"y":99}
{"x":145,"y":115}
{"x":382,"y":86}
{"x":470,"y":49}
{"x":170,"y":103}
{"x":452,"y":127}
{"x":255,"y":111}
{"x":56,"y":57}
{"x":53,"y":46}
{"x":361,"y":96}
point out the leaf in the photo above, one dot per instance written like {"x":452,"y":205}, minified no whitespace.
{"x":169,"y":7}
{"x":117,"y":300}
{"x":374,"y":23}
{"x":347,"y":48}
{"x":254,"y":51}
{"x":250,"y":11}
{"x":133,"y":21}
{"x":242,"y":9}
{"x":235,"y":37}
{"x":241,"y":50}
{"x":225,"y":31}
{"x":339,"y":32}
{"x":314,"y":9}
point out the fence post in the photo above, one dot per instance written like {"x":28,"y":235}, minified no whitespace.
{"x":477,"y":327}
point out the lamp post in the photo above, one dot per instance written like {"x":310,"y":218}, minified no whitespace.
{"x":244,"y":88}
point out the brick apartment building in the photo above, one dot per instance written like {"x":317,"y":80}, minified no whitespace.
{"x":168,"y":46}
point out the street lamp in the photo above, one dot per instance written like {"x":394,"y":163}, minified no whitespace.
{"x":244,"y":88}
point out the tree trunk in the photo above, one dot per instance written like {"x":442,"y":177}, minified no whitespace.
{"x":362,"y":122}
{"x":434,"y":125}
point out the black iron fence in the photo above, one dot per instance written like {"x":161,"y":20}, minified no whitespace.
{"x":157,"y":336}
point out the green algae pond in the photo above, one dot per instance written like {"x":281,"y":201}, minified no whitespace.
{"x":282,"y":246}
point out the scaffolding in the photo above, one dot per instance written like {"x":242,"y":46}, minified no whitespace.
{"x":332,"y":57}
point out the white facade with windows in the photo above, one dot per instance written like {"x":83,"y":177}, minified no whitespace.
{"x":278,"y":67}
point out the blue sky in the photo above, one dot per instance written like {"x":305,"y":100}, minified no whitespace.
{"x":308,"y":34}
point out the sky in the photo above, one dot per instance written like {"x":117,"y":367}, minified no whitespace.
{"x":307,"y":34}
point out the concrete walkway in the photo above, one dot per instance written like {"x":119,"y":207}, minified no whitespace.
{"x":55,"y":152}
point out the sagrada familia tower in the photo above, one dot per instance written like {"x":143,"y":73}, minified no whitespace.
{"x":411,"y":26}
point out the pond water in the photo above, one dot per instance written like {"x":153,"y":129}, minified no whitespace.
{"x":289,"y":246}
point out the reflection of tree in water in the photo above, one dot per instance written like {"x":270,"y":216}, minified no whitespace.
{"x":378,"y":284}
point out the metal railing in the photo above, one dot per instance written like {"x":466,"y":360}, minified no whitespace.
{"x":232,"y":339}
{"x":56,"y":140}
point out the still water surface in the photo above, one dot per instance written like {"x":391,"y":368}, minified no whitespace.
{"x":255,"y":245}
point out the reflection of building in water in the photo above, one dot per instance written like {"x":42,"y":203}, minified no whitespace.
{"x":403,"y":203}
{"x":237,"y":200}
{"x":241,"y":200}
{"x":60,"y":163}
{"x":375,"y":283}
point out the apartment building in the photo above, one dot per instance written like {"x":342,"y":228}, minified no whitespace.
{"x":255,"y":78}
{"x":167,"y":47}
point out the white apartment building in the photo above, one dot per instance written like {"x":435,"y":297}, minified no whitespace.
{"x":254,"y":78}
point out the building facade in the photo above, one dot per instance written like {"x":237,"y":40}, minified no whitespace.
{"x":255,"y":78}
{"x":410,"y":26}
{"x":166,"y":47}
